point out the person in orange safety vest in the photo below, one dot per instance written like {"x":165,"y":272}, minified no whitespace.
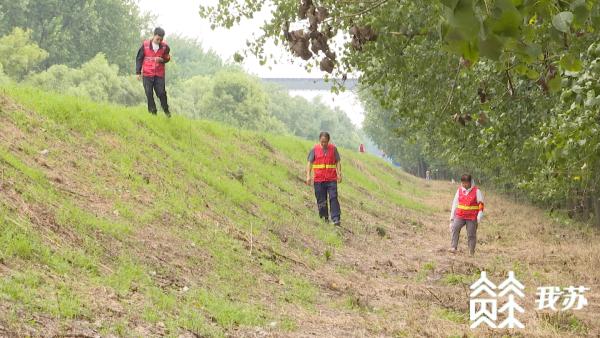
{"x":150,"y":67}
{"x":324,"y":160}
{"x":467,"y":209}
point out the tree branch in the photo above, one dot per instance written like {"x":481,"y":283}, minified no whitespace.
{"x":451,"y":96}
{"x":364,"y":11}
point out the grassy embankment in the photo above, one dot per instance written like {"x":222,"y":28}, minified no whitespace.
{"x":116,"y":222}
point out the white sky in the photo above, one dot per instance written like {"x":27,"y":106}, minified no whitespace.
{"x":181,"y":16}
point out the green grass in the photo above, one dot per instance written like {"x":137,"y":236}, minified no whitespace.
{"x":424,"y":271}
{"x":458,"y":279}
{"x":300,"y":291}
{"x":228,"y":313}
{"x":127,"y":276}
{"x":452,"y":315}
{"x":122,"y":197}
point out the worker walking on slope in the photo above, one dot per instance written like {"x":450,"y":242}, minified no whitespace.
{"x":150,"y":65}
{"x":467,"y":209}
{"x":324,"y":160}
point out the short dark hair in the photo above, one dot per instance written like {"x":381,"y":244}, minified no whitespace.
{"x":159,"y":31}
{"x":466,"y":178}
{"x":326,"y":134}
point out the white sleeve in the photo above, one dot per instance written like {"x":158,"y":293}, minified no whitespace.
{"x":454,"y":205}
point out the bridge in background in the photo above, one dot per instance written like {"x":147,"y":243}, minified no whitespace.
{"x":309,"y":83}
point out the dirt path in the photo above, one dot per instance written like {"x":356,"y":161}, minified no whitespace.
{"x":398,"y":285}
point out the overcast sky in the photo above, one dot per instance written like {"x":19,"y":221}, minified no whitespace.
{"x":181,"y":16}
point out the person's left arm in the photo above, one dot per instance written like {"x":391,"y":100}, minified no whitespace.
{"x":139,"y":61}
{"x":167,"y":55}
{"x":338,"y":165}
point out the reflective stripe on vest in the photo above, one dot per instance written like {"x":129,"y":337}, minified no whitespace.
{"x":324,"y":166}
{"x":468,"y":207}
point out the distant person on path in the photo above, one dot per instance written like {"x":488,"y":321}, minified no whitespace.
{"x":467,"y":209}
{"x":150,"y":65}
{"x":324,"y":160}
{"x":428,"y":175}
{"x":361,"y":148}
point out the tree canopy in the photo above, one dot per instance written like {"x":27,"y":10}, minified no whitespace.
{"x":73,"y":31}
{"x":506,"y":89}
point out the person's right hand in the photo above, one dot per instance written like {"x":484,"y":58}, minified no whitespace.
{"x":450,"y":227}
{"x":160,"y":60}
{"x":139,"y":77}
{"x":307,"y":180}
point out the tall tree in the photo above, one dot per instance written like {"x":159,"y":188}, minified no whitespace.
{"x":20,"y":54}
{"x":74,"y":31}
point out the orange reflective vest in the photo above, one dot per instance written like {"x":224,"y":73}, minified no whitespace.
{"x":468,"y":207}
{"x":324,"y":165}
{"x":151,"y":66}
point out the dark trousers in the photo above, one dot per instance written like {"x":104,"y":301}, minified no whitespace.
{"x":156,"y":84}
{"x":322,"y":191}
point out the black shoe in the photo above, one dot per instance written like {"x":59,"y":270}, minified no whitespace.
{"x":337,"y":224}
{"x":168,"y":114}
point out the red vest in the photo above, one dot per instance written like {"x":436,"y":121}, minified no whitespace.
{"x":324,"y":164}
{"x":468,"y":208}
{"x":151,"y":67}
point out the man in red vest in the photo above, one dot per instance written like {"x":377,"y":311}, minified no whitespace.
{"x":150,"y":64}
{"x":467,"y":209}
{"x":324,"y":160}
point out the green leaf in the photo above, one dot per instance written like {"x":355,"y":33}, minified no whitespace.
{"x":238,"y":58}
{"x":534,"y":50}
{"x":508,"y":21}
{"x":521,"y":69}
{"x":470,"y":51}
{"x":491,"y":47}
{"x":562,"y":21}
{"x":571,"y":63}
{"x":533,"y":74}
{"x":555,"y":84}
{"x":581,"y":11}
{"x":465,"y":19}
